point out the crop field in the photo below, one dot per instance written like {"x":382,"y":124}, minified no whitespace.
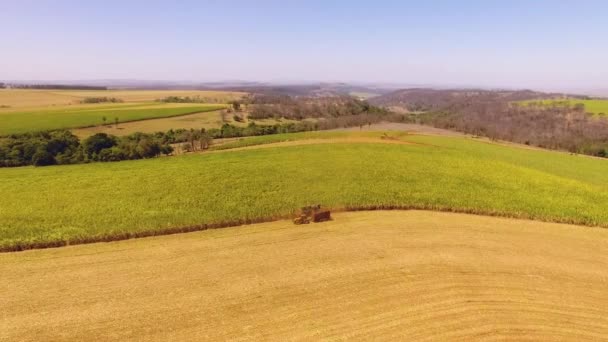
{"x":206,"y":119}
{"x":70,"y":204}
{"x":398,"y":275}
{"x":595,"y":106}
{"x":33,"y":98}
{"x":91,"y":115}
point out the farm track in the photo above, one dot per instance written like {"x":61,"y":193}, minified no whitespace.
{"x":412,"y":275}
{"x":348,"y":140}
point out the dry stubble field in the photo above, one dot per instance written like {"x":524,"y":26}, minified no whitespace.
{"x":29,"y":98}
{"x":411,"y":275}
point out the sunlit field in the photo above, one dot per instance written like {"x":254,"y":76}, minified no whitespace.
{"x":78,"y":203}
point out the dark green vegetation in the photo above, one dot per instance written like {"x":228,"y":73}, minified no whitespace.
{"x":62,"y":147}
{"x":101,"y":99}
{"x":91,"y":202}
{"x":263,"y":107}
{"x":190,"y":99}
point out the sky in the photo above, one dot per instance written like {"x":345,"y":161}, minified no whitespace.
{"x":533,"y":44}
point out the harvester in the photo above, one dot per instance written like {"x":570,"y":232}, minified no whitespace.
{"x":312,"y":213}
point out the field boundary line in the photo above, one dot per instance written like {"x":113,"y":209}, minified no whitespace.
{"x":24,"y":246}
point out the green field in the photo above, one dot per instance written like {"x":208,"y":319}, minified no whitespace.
{"x":12,"y":121}
{"x":77,"y":203}
{"x":596,"y":106}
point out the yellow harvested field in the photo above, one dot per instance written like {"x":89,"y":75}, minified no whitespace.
{"x":151,"y":95}
{"x":196,"y":121}
{"x":392,"y":275}
{"x":38,"y":98}
{"x":20,"y":98}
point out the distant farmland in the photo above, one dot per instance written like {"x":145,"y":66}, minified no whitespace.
{"x":92,"y":115}
{"x":32,"y":98}
{"x":77,"y":203}
{"x":595,"y":106}
{"x":26,"y":110}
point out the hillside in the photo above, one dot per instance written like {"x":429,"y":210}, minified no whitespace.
{"x":424,"y":99}
{"x":352,"y":170}
{"x":548,"y":120}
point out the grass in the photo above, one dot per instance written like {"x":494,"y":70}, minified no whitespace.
{"x":85,"y":116}
{"x":364,"y":276}
{"x":78,"y":203}
{"x":596,"y":106}
{"x":278,"y":138}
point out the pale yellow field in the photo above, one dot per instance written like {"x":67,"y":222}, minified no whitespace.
{"x":364,"y":276}
{"x":33,"y":98}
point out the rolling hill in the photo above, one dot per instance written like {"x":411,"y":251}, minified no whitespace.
{"x":350,"y":170}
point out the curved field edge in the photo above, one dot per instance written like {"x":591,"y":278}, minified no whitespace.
{"x":62,"y":205}
{"x":121,"y":236}
{"x":367,"y":276}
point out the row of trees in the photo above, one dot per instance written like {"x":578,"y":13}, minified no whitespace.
{"x":302,"y":108}
{"x":63,"y":147}
{"x":191,"y":99}
{"x":101,"y":99}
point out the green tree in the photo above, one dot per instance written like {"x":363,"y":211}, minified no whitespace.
{"x":236,"y":105}
{"x":42,"y":157}
{"x":97,"y":142}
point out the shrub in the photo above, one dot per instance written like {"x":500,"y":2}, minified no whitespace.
{"x":42,"y":158}
{"x":104,"y":99}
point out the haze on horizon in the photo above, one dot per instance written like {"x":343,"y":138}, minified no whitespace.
{"x":541,"y":44}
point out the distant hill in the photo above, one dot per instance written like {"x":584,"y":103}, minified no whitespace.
{"x":424,"y":99}
{"x":305,"y":90}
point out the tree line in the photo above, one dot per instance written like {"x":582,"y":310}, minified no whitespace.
{"x":101,"y":99}
{"x":190,"y":99}
{"x":63,"y":147}
{"x":277,"y":106}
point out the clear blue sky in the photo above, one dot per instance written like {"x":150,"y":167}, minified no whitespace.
{"x":493,"y":43}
